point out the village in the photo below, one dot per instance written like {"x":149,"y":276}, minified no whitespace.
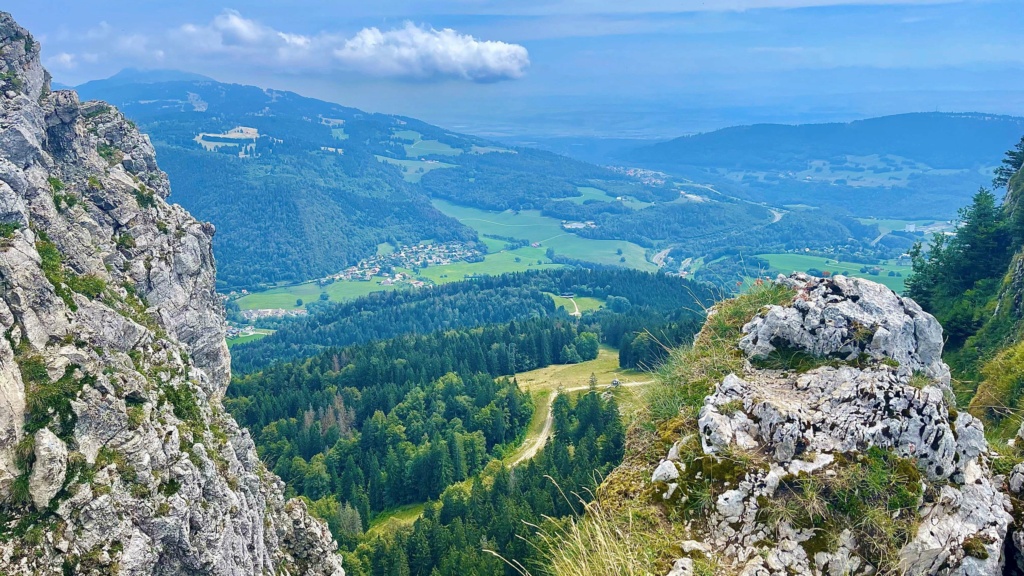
{"x":412,"y":257}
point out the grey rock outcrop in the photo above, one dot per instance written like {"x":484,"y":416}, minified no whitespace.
{"x":801,"y":430}
{"x":845,"y":318}
{"x":115,"y":450}
{"x":49,"y":470}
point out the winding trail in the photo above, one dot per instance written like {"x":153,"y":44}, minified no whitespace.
{"x":531,"y":446}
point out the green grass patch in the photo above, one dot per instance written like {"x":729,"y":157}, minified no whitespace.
{"x":589,"y":193}
{"x":531,"y":225}
{"x":583,"y":303}
{"x":413,"y":170}
{"x":788,"y":263}
{"x":388,"y":521}
{"x":422,"y":148}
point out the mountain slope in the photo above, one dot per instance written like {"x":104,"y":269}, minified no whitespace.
{"x":910,"y":165}
{"x":116,"y":455}
{"x":304,"y":200}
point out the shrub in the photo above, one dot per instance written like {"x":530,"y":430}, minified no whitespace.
{"x":111,"y":154}
{"x":94,"y":183}
{"x":7,"y":229}
{"x":125,"y":241}
{"x":183,"y":401}
{"x":144,"y":197}
{"x":88,"y":285}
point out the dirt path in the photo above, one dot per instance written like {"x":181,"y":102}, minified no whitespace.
{"x":531,"y":446}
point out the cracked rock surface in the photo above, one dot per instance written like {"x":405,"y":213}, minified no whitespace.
{"x":880,"y":391}
{"x":115,"y":451}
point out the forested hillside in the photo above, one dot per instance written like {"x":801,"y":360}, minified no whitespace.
{"x":974,"y":283}
{"x":635,"y":302}
{"x":463,"y":532}
{"x":299,"y":188}
{"x":396,"y":422}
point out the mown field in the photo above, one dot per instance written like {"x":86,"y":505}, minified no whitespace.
{"x":531,"y":225}
{"x":786,"y":263}
{"x":286,"y":296}
{"x":583,"y":303}
{"x":413,"y":170}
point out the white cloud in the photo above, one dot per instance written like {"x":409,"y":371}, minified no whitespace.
{"x":423,"y":53}
{"x":411,"y":52}
{"x":64,"y":60}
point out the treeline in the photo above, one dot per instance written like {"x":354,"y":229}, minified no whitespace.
{"x":641,"y":301}
{"x":382,"y":315}
{"x":498,"y":511}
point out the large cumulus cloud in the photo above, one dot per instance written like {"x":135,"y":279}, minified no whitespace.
{"x":410,"y":52}
{"x":419,"y":52}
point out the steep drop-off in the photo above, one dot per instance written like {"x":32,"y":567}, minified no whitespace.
{"x":115,"y":453}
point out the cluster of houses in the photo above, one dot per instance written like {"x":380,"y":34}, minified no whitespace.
{"x":647,"y":177}
{"x":235,"y":332}
{"x":411,"y":257}
{"x":251,"y":315}
{"x":578,"y":225}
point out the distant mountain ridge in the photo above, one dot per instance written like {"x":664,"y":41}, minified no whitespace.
{"x":942,"y":140}
{"x":907,"y":165}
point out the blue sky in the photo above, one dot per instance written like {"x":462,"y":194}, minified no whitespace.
{"x":567,"y":67}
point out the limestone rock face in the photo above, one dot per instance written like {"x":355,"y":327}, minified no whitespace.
{"x":866,"y":406}
{"x":848,"y":317}
{"x":114,"y":446}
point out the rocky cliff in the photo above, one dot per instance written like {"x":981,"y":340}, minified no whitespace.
{"x":115,"y":453}
{"x":836,"y":449}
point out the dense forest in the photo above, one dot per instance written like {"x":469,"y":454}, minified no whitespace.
{"x":498,"y":511}
{"x":378,"y":425}
{"x":635,"y":302}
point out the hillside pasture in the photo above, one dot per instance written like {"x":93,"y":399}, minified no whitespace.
{"x":788,"y":263}
{"x":548,"y":232}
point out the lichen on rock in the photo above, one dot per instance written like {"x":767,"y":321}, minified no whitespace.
{"x":115,"y":451}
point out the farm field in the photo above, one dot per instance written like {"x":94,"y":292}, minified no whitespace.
{"x":413,"y":170}
{"x":285,"y":296}
{"x":786,"y":263}
{"x":584,"y":303}
{"x":493,"y":264}
{"x":531,"y":225}
{"x":885,"y":225}
{"x":589,"y":193}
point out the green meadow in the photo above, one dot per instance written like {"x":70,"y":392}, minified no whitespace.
{"x":787,"y":263}
{"x":531,"y":225}
{"x":413,"y":170}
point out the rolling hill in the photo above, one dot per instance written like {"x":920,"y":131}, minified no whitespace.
{"x":905,"y":166}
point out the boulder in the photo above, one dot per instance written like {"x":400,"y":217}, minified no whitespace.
{"x":49,"y":468}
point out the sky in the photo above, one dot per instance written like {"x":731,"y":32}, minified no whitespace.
{"x":533,"y":69}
